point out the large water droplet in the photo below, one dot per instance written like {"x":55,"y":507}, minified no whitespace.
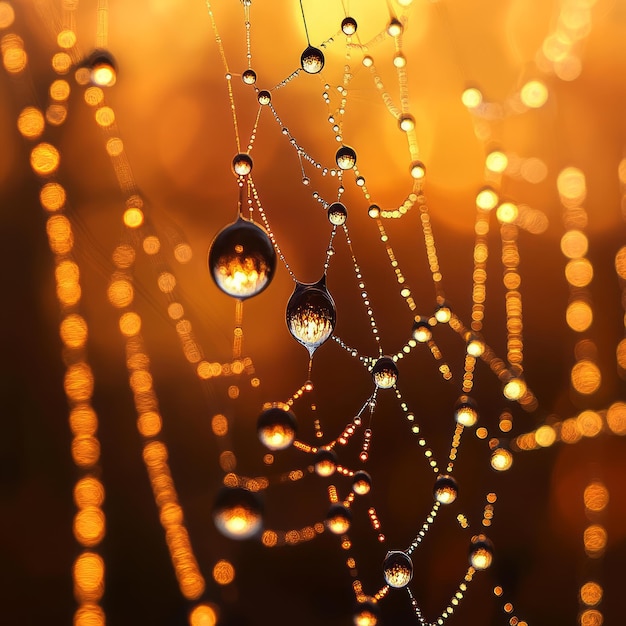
{"x":397,"y":569}
{"x":242,"y":259}
{"x":481,"y":552}
{"x":238,"y":513}
{"x":276,"y":427}
{"x":311,"y":314}
{"x":345,"y":158}
{"x":348,"y":26}
{"x":385,"y":372}
{"x":337,"y":214}
{"x":446,"y":489}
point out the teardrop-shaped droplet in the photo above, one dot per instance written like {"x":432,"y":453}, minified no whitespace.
{"x":385,"y":372}
{"x":397,"y":569}
{"x":238,"y":513}
{"x":276,"y":427}
{"x":311,"y":314}
{"x":325,"y":462}
{"x":312,"y":60}
{"x":264,"y":97}
{"x":242,"y":259}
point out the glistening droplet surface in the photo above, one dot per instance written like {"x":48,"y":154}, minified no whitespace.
{"x":276,"y":427}
{"x":311,"y":314}
{"x":385,"y":372}
{"x":242,"y":164}
{"x":312,"y":60}
{"x":338,"y":519}
{"x":249,"y":77}
{"x":345,"y":158}
{"x":481,"y":552}
{"x":238,"y":513}
{"x":242,"y":259}
{"x":446,"y":489}
{"x":348,"y":26}
{"x":397,"y":569}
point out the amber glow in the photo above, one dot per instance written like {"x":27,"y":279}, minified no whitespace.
{"x":88,"y":492}
{"x":7,"y":15}
{"x":591,"y":617}
{"x":596,"y":497}
{"x":31,"y":123}
{"x":616,"y":418}
{"x":120,"y":293}
{"x":589,"y":424}
{"x":44,"y":159}
{"x":595,"y":538}
{"x":223,"y":572}
{"x":579,"y":272}
{"x":133,"y":217}
{"x":14,"y":57}
{"x":78,"y":382}
{"x":73,"y":331}
{"x":89,"y":526}
{"x":579,"y":315}
{"x":501,"y":460}
{"x":130,"y":324}
{"x":83,"y":420}
{"x":89,"y":576}
{"x":534,"y":94}
{"x":52,"y":196}
{"x":149,"y":424}
{"x":586,"y":377}
{"x":591,"y":593}
{"x":574,"y":244}
{"x":89,"y":614}
{"x":203,"y":615}
{"x":105,"y":117}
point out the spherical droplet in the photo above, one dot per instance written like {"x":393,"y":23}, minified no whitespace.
{"x":276,"y":427}
{"x":311,"y":314}
{"x":242,"y":259}
{"x":466,"y":411}
{"x":345,"y":158}
{"x":366,"y":613}
{"x":338,"y":519}
{"x":421,"y":330}
{"x":397,"y":569}
{"x":394,"y":28}
{"x":337,"y":214}
{"x":325,"y":462}
{"x":406,"y":122}
{"x":418,"y":170}
{"x":475,"y":345}
{"x":312,"y":60}
{"x":361,"y":483}
{"x":249,"y":77}
{"x":374,"y":211}
{"x":102,"y":68}
{"x":443,"y":314}
{"x":501,"y":459}
{"x":242,"y":164}
{"x":446,"y":489}
{"x":385,"y":372}
{"x":481,"y":552}
{"x":264,"y":97}
{"x":238,"y":513}
{"x":348,"y":26}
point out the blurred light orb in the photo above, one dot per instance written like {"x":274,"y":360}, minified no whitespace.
{"x":312,"y":60}
{"x":348,"y":26}
{"x":361,"y":483}
{"x":446,"y":490}
{"x":345,"y":158}
{"x":264,"y":97}
{"x":397,"y":569}
{"x":472,"y":98}
{"x":406,"y":123}
{"x":249,"y":77}
{"x":501,"y":459}
{"x":466,"y":411}
{"x":325,"y":462}
{"x":311,"y":314}
{"x":481,"y":552}
{"x":418,"y":170}
{"x":238,"y":513}
{"x":242,"y":164}
{"x":366,"y":613}
{"x":102,"y":68}
{"x":385,"y":372}
{"x":421,"y":330}
{"x":507,"y":212}
{"x":534,"y":94}
{"x":487,"y":199}
{"x":443,"y":314}
{"x":399,"y":60}
{"x":496,"y":161}
{"x":242,"y":259}
{"x":276,"y":427}
{"x":337,"y":214}
{"x":338,"y":519}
